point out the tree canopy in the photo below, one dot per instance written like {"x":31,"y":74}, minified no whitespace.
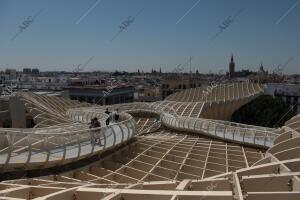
{"x":265,"y":111}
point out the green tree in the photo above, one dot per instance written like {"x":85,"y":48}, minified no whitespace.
{"x":265,"y":111}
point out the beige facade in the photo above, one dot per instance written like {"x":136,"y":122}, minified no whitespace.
{"x":176,"y":83}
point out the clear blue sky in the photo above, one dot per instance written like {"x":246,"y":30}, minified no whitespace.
{"x":54,"y":41}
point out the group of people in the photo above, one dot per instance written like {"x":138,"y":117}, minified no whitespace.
{"x":114,"y":116}
{"x":95,"y":123}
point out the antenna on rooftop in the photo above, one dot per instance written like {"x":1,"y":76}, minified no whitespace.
{"x":190,"y":61}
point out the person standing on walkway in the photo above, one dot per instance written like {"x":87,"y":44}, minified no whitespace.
{"x":117,"y":116}
{"x":97,"y":124}
{"x":93,"y":125}
{"x":107,"y":120}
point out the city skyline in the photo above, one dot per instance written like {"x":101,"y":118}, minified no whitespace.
{"x":55,"y":35}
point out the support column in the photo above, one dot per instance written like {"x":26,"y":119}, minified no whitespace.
{"x":17,"y":112}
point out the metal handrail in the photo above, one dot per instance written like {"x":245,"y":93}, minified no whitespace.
{"x":258,"y":135}
{"x":27,"y":147}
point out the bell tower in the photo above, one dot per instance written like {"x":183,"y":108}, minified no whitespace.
{"x":231,"y":67}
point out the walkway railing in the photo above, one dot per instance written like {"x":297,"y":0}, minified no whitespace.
{"x":230,"y":131}
{"x":240,"y":134}
{"x":33,"y":149}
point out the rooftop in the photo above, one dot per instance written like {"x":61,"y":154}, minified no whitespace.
{"x":181,"y":148}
